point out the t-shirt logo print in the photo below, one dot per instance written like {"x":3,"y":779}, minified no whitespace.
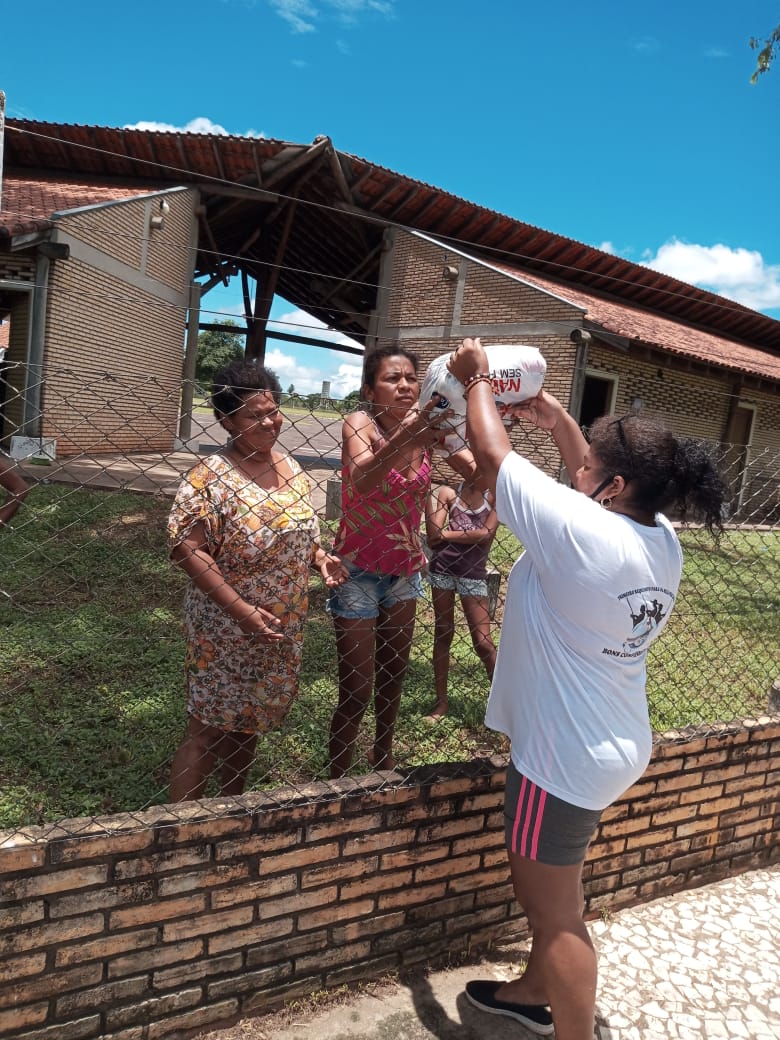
{"x":647,"y":608}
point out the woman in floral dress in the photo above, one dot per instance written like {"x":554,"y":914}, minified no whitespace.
{"x":243,"y":528}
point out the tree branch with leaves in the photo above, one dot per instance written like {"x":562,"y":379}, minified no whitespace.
{"x":766,"y":52}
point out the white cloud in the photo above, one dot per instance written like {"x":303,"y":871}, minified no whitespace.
{"x":738,"y":274}
{"x":342,"y":371}
{"x":716,"y":52}
{"x":302,"y":15}
{"x":198,"y":125}
{"x":645,"y":44}
{"x":299,"y":14}
{"x":308,"y":379}
{"x":608,"y":247}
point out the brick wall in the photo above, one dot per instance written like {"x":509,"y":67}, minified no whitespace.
{"x":115,"y":328}
{"x":142,"y":926}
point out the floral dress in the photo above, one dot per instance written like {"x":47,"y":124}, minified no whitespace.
{"x":263,"y":541}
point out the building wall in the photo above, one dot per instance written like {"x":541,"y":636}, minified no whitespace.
{"x":436,"y":297}
{"x":430,"y":313}
{"x":115,"y":327}
{"x":700,"y":405}
{"x":183,"y":917}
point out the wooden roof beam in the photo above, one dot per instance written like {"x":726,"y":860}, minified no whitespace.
{"x":278,"y":171}
{"x":352,"y":275}
{"x":230,"y":191}
{"x":218,"y":161}
{"x":218,"y":259}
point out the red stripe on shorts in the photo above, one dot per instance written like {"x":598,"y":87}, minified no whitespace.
{"x":529,"y":813}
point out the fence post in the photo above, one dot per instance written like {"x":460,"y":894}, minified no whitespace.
{"x":333,"y":499}
{"x":493,"y":585}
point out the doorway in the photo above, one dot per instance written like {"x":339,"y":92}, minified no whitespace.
{"x":739,"y":437}
{"x":598,"y":397}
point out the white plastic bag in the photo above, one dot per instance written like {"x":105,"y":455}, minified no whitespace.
{"x":516,"y":370}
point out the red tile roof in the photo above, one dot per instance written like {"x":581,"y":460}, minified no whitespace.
{"x":653,"y":330}
{"x":28,"y":204}
{"x":332,"y":188}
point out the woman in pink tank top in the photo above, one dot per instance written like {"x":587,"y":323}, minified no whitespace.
{"x":386,"y":477}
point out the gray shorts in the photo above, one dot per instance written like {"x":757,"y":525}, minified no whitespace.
{"x":463,"y":586}
{"x":542,"y":827}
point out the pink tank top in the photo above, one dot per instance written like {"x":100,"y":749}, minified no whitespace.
{"x":380,"y":529}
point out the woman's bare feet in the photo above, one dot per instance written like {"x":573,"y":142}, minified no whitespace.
{"x":438,"y":711}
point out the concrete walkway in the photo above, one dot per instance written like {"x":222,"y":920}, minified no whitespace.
{"x":314,"y":443}
{"x":702,"y":965}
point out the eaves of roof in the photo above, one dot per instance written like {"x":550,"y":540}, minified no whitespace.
{"x":344,"y":201}
{"x":633,"y":324}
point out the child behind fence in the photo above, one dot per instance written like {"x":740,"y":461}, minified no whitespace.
{"x":460,"y":526}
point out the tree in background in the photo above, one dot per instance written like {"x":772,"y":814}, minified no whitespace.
{"x":216,"y":349}
{"x":350,"y":402}
{"x":766,"y":52}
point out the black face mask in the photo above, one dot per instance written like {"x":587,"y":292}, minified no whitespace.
{"x":602,"y":485}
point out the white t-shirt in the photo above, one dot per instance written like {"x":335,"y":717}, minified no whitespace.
{"x":590,"y":593}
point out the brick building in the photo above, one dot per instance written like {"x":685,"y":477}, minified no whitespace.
{"x":109,"y":239}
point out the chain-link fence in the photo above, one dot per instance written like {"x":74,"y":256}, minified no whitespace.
{"x":93,"y":653}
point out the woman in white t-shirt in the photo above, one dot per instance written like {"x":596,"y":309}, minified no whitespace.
{"x":593,"y":589}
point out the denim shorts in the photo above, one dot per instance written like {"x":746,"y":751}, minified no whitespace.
{"x":454,"y":583}
{"x":364,"y":594}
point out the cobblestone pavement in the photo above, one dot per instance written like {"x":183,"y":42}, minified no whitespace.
{"x":701,"y":965}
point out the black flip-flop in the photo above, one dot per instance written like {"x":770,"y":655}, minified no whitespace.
{"x":536,"y":1017}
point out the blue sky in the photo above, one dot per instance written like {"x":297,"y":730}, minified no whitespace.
{"x":631,"y":127}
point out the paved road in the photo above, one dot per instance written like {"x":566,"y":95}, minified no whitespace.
{"x":307,"y":437}
{"x":315,"y":443}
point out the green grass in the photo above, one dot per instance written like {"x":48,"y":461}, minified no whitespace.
{"x":91,"y":660}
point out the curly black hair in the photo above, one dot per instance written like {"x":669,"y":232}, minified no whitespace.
{"x":665,"y":472}
{"x":238,"y":379}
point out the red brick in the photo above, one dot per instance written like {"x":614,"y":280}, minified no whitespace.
{"x":375,"y":883}
{"x":56,"y":881}
{"x":175,"y":859}
{"x":159,"y":910}
{"x":109,"y":994}
{"x":107,"y":946}
{"x":365,"y":844}
{"x":262,"y":844}
{"x":147,"y":960}
{"x":197,"y":971}
{"x":332,"y":872}
{"x":241,"y":938}
{"x":21,"y":856}
{"x":317,"y":832}
{"x":103,"y":845}
{"x":18,"y":1018}
{"x":39,"y":936}
{"x":250,"y":892}
{"x":207,"y":924}
{"x":303,"y":856}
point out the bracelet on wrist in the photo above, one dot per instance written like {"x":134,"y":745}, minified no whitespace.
{"x":480,"y":377}
{"x":473,"y":379}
